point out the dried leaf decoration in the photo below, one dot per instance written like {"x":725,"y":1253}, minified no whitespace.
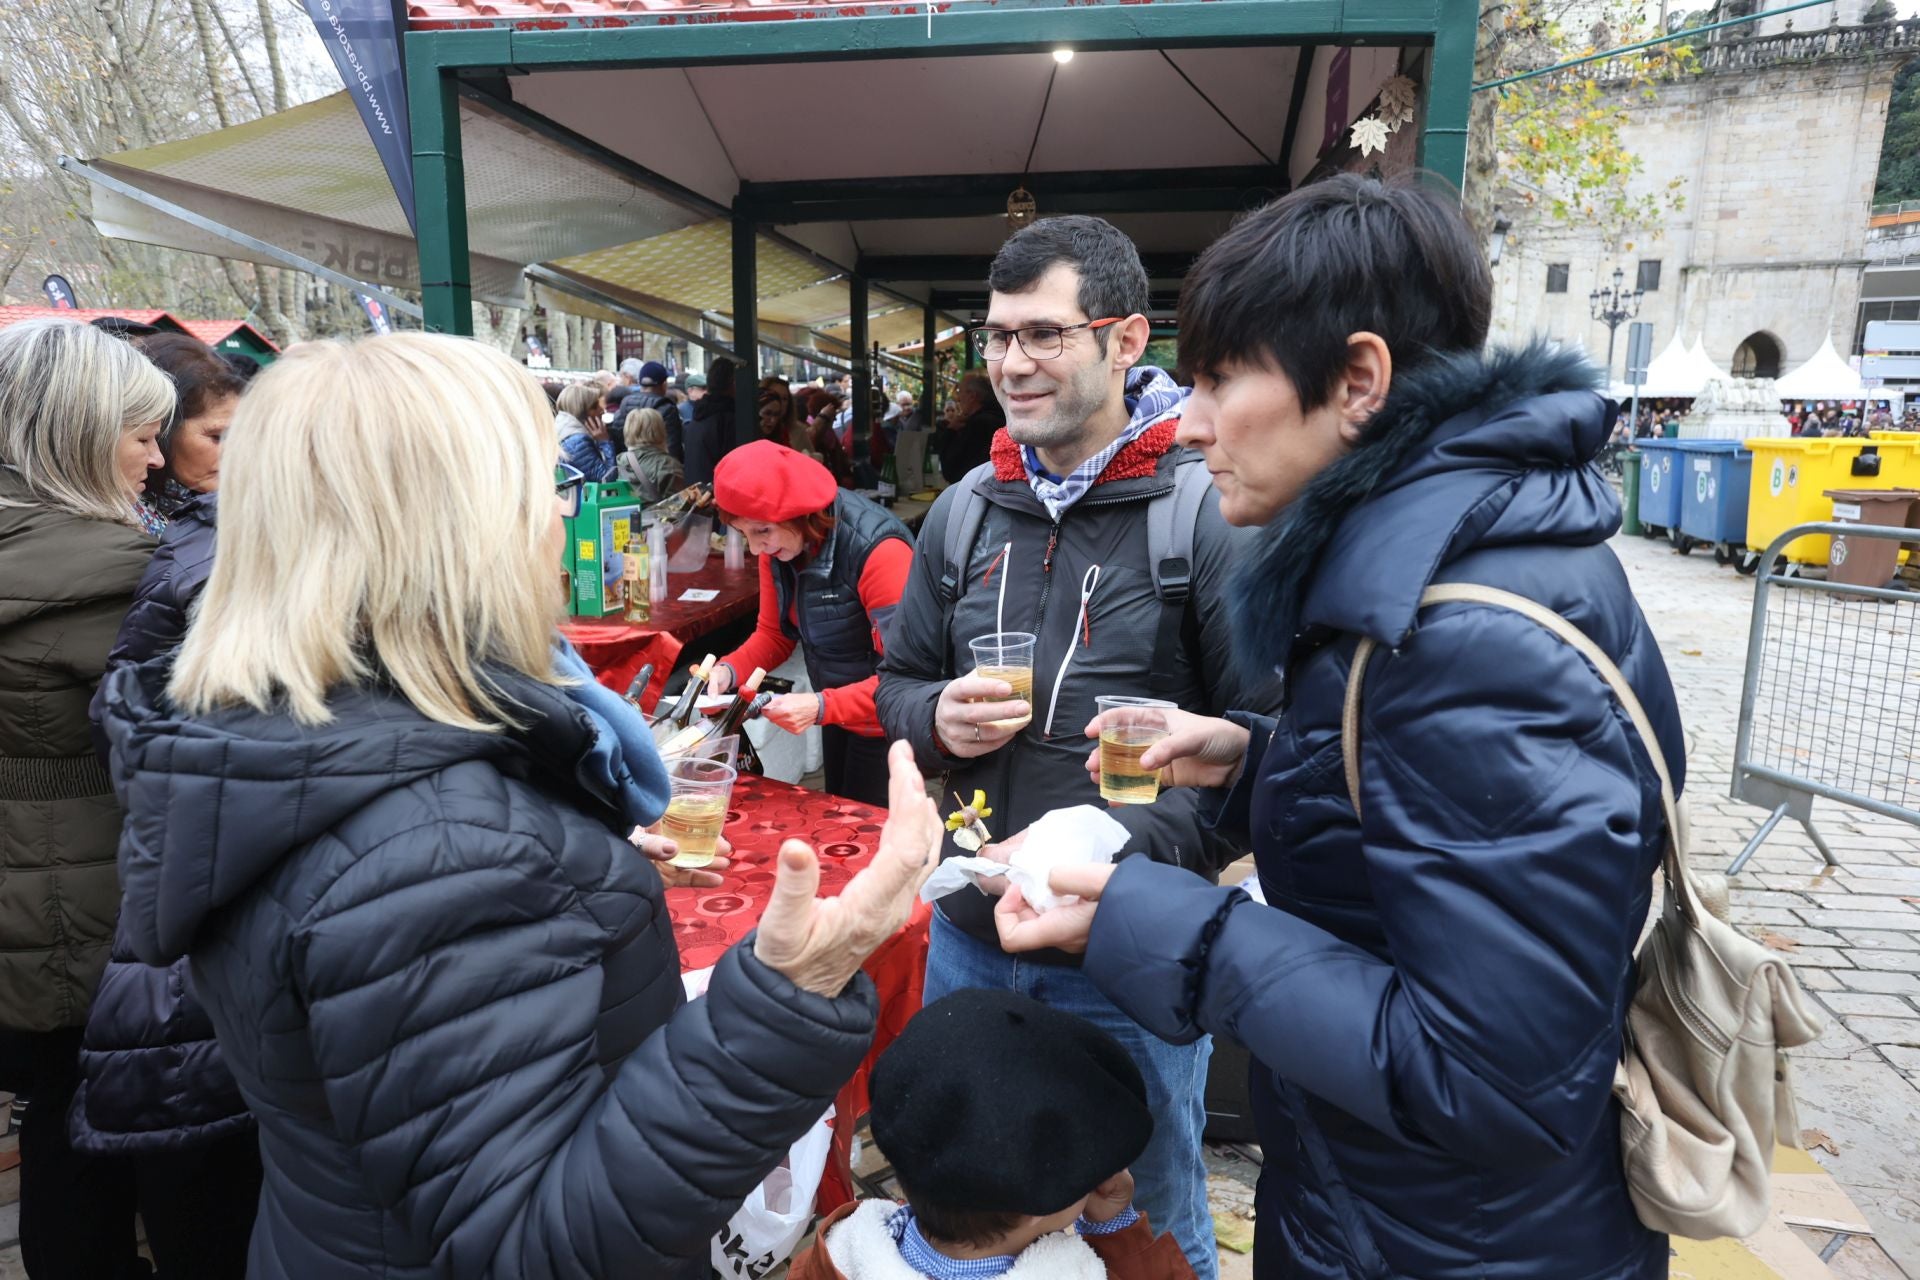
{"x":1370,"y":135}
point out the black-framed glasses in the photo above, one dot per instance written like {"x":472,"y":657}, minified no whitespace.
{"x":568,"y":482}
{"x":1040,"y":342}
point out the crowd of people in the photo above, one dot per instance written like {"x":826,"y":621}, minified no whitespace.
{"x":599,"y":437}
{"x":1808,"y":418}
{"x":370,"y":860}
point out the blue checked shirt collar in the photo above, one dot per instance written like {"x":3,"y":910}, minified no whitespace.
{"x":1152,"y":398}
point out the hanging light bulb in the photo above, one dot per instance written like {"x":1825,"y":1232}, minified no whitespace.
{"x":1063,"y":56}
{"x":1021,"y":208}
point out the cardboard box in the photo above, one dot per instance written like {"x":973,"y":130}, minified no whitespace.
{"x":597,"y":541}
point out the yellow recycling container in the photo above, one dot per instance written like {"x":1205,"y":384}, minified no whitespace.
{"x":1791,"y":476}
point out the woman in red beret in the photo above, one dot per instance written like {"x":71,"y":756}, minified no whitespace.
{"x":832,"y":567}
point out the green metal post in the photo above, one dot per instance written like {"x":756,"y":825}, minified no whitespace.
{"x":1449,"y":91}
{"x":932,"y":361}
{"x":857,"y":303}
{"x":746,"y":324}
{"x":1630,"y":492}
{"x":440,"y":199}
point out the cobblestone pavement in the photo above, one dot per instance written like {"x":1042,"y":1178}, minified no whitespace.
{"x":1853,"y":933}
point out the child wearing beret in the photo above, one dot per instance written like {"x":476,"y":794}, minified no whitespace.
{"x":1010,"y":1126}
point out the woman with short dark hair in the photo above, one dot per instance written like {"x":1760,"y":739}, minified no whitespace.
{"x":1436,"y":994}
{"x":206,"y":389}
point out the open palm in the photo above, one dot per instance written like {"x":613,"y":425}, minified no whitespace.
{"x":820,"y":943}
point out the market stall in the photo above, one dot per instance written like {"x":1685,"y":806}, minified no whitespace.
{"x":616,"y":650}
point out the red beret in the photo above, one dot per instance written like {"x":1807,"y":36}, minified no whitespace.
{"x":770,"y":482}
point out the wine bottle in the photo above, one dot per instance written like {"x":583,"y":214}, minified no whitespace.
{"x":687,"y":707}
{"x":638,"y":577}
{"x":733,"y":721}
{"x":889,"y":481}
{"x":637,"y":691}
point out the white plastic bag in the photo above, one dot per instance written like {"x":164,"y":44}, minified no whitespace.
{"x":762,"y":1232}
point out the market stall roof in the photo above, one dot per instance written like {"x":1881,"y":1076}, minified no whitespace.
{"x":1679,"y":372}
{"x":87,"y":315}
{"x":1825,"y":377}
{"x":315,"y":186}
{"x":238,"y":333}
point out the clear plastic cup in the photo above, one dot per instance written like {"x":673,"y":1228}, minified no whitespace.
{"x":702,"y":790}
{"x":1128,"y":726}
{"x":1008,"y":656}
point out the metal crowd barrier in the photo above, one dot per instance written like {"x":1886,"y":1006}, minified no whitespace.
{"x":1830,"y":707}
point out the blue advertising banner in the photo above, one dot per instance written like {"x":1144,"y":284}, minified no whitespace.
{"x":59,"y":292}
{"x":364,"y":36}
{"x":376,"y":313}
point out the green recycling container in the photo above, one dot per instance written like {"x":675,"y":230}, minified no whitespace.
{"x":1630,"y":491}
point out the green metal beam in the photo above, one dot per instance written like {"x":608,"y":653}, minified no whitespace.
{"x":440,"y":185}
{"x":1449,"y":92}
{"x":930,"y":361}
{"x":746,"y":328}
{"x":858,"y":339}
{"x":1229,"y":188}
{"x":1009,"y":26}
{"x":1302,"y":72}
{"x":968,"y":266}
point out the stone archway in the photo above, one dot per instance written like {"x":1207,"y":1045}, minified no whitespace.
{"x":1758,"y":356}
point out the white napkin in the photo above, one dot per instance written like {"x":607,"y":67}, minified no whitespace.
{"x":1062,"y":838}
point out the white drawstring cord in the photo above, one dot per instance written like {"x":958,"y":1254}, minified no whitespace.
{"x":1087,"y":585}
{"x":1000,"y":610}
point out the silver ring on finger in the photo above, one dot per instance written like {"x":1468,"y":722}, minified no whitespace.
{"x":976,"y":733}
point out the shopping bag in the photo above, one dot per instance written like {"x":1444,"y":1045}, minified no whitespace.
{"x":762,"y":1232}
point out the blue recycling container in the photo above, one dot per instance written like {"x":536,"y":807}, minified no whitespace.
{"x":1713,"y":492}
{"x":1660,"y":482}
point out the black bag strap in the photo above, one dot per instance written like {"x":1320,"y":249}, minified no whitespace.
{"x":1170,"y":522}
{"x":966,"y":511}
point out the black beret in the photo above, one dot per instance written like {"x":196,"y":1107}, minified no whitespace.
{"x":991,"y":1102}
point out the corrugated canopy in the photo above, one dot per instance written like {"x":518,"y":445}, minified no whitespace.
{"x":314,"y":186}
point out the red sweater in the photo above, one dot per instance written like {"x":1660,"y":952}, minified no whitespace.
{"x":850,"y":706}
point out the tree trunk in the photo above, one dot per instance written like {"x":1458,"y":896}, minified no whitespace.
{"x":1481,"y":191}
{"x":276,"y":70}
{"x":209,"y":56}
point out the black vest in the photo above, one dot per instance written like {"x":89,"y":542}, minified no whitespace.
{"x":834,"y":625}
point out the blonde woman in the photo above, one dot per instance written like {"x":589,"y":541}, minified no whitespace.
{"x":646,"y":465}
{"x":580,"y":419}
{"x":389,"y":822}
{"x":79,"y":413}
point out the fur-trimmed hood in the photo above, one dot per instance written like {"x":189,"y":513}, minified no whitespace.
{"x":1470,"y":451}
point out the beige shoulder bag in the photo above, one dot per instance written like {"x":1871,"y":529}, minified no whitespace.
{"x":1704,"y":1083}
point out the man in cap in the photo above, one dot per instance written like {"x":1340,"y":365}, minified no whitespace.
{"x":1010,"y":1127}
{"x":649,"y":392}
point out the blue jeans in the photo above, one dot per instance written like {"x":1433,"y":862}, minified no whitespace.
{"x":1170,"y":1178}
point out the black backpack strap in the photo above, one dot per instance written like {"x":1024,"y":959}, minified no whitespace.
{"x":965,"y":514}
{"x":1170,"y":521}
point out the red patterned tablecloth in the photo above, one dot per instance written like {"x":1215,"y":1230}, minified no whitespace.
{"x":846,"y":835}
{"x":617,"y":650}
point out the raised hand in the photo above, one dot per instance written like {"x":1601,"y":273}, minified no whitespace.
{"x":820,"y":943}
{"x":1199,"y":751}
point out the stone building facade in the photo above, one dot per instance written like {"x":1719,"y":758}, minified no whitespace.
{"x":1778,"y":141}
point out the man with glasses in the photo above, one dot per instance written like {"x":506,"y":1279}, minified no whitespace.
{"x":1090,"y":529}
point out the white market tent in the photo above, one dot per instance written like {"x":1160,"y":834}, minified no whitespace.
{"x":1825,"y":377}
{"x":1679,"y":372}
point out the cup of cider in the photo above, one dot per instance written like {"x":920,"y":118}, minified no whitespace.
{"x":1128,"y":726}
{"x":702,"y":790}
{"x":1008,"y":656}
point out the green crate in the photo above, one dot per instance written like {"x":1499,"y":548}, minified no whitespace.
{"x":597,"y":542}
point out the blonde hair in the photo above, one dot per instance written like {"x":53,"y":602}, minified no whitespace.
{"x":578,"y":399}
{"x":645,"y":428}
{"x":68,"y":392}
{"x":358,"y":539}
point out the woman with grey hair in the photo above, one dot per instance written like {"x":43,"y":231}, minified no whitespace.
{"x":80,"y":411}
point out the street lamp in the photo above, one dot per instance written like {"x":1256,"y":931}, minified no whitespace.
{"x":1497,"y":239}
{"x":1613,"y":308}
